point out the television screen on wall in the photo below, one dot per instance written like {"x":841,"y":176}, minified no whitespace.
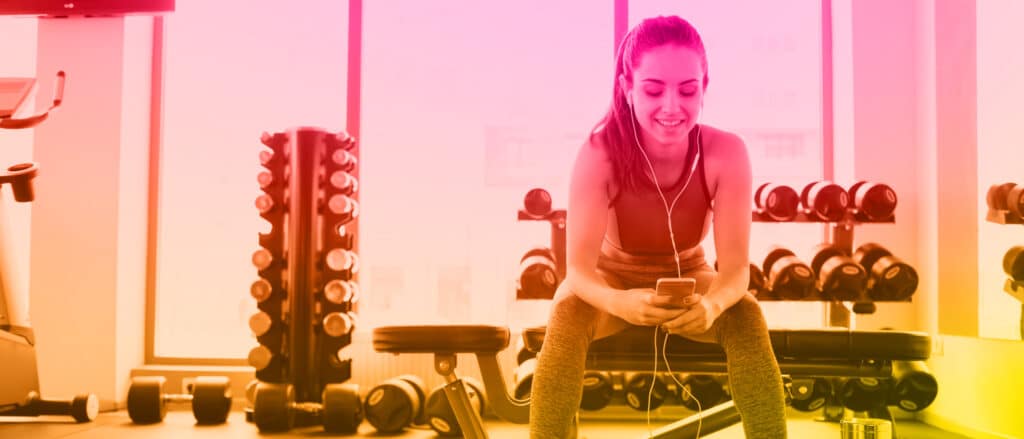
{"x":76,"y":8}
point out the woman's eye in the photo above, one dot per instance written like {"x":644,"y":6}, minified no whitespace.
{"x":688,"y":92}
{"x":653,"y":94}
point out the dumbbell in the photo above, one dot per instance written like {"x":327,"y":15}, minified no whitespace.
{"x":997,"y":196}
{"x":1015,"y":200}
{"x":83,"y":408}
{"x":638,"y":387}
{"x":876,"y":201}
{"x":839,"y":276}
{"x":863,"y":394}
{"x":1013,"y":263}
{"x":825,"y":201}
{"x":439,"y":413}
{"x":395,"y":404}
{"x":275,"y":409}
{"x":788,"y":277}
{"x":889,"y":278}
{"x":210,"y":397}
{"x":597,"y":390}
{"x":756,"y":282}
{"x":914,"y":387}
{"x":523,"y":379}
{"x":779,"y":202}
{"x":538,"y":275}
{"x":522,"y":353}
{"x":537,"y":202}
{"x":810,"y":394}
{"x":702,"y":389}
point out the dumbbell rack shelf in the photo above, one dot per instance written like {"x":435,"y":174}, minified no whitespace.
{"x":837,"y":313}
{"x":1003,"y":217}
{"x":1014,"y":289}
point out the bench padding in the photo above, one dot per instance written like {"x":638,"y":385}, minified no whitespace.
{"x":452,"y":339}
{"x":798,"y":344}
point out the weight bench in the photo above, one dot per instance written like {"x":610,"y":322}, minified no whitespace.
{"x":801,"y":353}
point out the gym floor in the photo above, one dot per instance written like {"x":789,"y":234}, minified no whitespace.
{"x":177,"y":424}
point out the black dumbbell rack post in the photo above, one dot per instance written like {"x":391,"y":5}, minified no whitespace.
{"x":313,"y":213}
{"x":840,"y":235}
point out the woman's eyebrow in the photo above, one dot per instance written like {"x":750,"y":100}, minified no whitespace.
{"x":658,"y":81}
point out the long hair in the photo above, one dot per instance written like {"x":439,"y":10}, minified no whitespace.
{"x":616,"y":130}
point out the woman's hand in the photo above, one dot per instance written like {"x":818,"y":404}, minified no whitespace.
{"x":644,"y":307}
{"x":696,"y":320}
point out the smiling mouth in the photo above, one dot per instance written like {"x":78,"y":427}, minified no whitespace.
{"x":670,"y":123}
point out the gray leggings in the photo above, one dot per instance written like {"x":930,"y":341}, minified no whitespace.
{"x":754,"y":377}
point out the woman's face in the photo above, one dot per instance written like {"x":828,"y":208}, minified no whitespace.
{"x":667,"y":94}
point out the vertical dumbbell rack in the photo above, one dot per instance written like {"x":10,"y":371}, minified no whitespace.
{"x":547,"y":266}
{"x":1006,"y":206}
{"x":307,"y":265}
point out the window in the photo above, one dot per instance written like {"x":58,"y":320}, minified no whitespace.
{"x":233,"y":69}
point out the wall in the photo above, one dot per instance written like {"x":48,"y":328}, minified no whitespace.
{"x":88,"y":221}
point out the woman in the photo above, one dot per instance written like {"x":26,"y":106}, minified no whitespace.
{"x":649,"y":160}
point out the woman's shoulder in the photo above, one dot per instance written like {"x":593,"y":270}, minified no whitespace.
{"x":595,"y":150}
{"x":722,"y":144}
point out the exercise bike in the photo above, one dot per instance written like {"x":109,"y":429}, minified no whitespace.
{"x":19,"y":375}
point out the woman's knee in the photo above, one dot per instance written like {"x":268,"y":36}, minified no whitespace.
{"x":745,"y":315}
{"x":566,"y":304}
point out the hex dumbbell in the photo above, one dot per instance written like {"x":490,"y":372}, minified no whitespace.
{"x":889,"y":277}
{"x":395,"y":404}
{"x":523,"y":379}
{"x":839,"y":276}
{"x":997,"y":196}
{"x":597,"y":390}
{"x":701,"y":392}
{"x":275,"y":409}
{"x":810,"y":394}
{"x":210,"y":397}
{"x":789,"y":278}
{"x":914,"y":387}
{"x":863,"y":394}
{"x":756,"y":282}
{"x":1013,"y":263}
{"x":638,"y":390}
{"x":538,"y":274}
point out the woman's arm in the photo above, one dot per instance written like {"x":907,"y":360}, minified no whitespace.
{"x":732,"y":218}
{"x":586,"y":220}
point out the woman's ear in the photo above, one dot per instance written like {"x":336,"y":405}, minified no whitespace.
{"x":624,"y":85}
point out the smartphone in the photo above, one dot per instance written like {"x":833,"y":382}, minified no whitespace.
{"x":678,"y":287}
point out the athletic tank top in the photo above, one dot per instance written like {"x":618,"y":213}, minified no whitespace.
{"x":641,"y":216}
